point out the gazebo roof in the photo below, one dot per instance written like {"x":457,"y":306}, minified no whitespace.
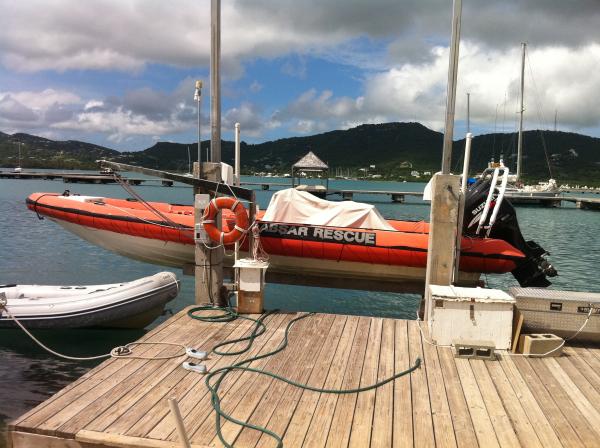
{"x":310,"y":161}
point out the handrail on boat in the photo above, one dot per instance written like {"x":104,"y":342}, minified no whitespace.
{"x":495,"y":172}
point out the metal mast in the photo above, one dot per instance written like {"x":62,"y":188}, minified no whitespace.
{"x":468,"y":112}
{"x":451,"y":99}
{"x":215,"y":81}
{"x":521,"y":110}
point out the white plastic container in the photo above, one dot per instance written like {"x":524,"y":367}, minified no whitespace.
{"x":250,"y":297}
{"x":470,"y":314}
{"x":252,"y":274}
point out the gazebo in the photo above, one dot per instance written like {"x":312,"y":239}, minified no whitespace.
{"x":309,"y":165}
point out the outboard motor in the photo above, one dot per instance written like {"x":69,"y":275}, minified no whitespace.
{"x":534,"y":269}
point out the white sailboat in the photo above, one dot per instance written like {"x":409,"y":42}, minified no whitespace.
{"x":544,"y":192}
{"x":18,"y":168}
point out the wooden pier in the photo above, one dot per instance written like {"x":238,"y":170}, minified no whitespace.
{"x":514,"y":401}
{"x":84,"y":178}
{"x":584,"y":203}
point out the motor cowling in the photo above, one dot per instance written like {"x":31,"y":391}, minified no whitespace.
{"x":534,"y":269}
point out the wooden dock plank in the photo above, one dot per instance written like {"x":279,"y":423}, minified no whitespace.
{"x":583,"y":367}
{"x":300,"y":418}
{"x":564,"y":402}
{"x":403,"y":423}
{"x":459,"y":410}
{"x":567,"y":435}
{"x":525,"y":430}
{"x":543,"y":427}
{"x":484,"y":429}
{"x":47,"y":408}
{"x":499,"y":417}
{"x":316,"y":434}
{"x":195,"y":404}
{"x":157,"y":382}
{"x":191,"y":390}
{"x":447,"y":402}
{"x":294,"y":363}
{"x":49,"y":419}
{"x":589,"y":357}
{"x":360,"y":435}
{"x":383,"y":417}
{"x":339,"y":431}
{"x":594,"y":348}
{"x":442,"y":421}
{"x":423,"y":434}
{"x":144,"y":413}
{"x":113,"y":397}
{"x":574,"y":386}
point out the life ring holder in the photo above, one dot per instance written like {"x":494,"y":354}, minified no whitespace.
{"x":241,"y":220}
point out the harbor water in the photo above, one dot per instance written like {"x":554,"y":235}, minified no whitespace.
{"x":40,"y":252}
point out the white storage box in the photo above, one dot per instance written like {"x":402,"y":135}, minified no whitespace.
{"x":470,"y":314}
{"x":250,"y":295}
{"x":559,"y":312}
{"x":252,"y":274}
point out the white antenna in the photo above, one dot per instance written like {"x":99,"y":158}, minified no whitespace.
{"x":198,"y":99}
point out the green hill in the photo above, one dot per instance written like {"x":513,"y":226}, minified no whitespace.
{"x":395,"y":149}
{"x":39,"y":152}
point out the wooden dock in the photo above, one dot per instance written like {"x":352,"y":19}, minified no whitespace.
{"x":511,"y":402}
{"x":84,"y":178}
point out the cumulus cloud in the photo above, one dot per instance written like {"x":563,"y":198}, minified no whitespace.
{"x":128,"y":35}
{"x":399,"y":51}
{"x":556,"y":78}
{"x":35,"y":110}
{"x":141,"y":112}
{"x":251,"y":117}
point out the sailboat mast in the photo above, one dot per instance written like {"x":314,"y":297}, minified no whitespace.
{"x":468,"y":112}
{"x":521,"y":110}
{"x":215,"y":81}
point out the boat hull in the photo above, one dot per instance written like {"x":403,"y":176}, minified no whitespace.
{"x":400,"y":255}
{"x":178,"y":255}
{"x":128,"y":305}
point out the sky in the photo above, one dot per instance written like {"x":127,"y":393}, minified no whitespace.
{"x":121,"y":73}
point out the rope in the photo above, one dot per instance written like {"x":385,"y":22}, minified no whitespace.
{"x":123,"y":351}
{"x":541,"y":117}
{"x":146,"y":204}
{"x":219,"y":375}
{"x":574,"y":335}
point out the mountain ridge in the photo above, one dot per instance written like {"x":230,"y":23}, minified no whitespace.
{"x":395,"y":149}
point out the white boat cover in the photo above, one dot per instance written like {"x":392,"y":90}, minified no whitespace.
{"x":299,"y":207}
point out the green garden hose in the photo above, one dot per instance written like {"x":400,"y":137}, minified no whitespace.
{"x":228,"y":315}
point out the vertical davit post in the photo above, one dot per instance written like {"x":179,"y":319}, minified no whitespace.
{"x":208,"y":272}
{"x":445,"y":186}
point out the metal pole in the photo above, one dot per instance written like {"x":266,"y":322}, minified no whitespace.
{"x":215,"y":81}
{"x":521,"y":110}
{"x":468,"y":112}
{"x":237,"y":154}
{"x":463,"y":187}
{"x":451,"y":98}
{"x":237,"y":183}
{"x":198,"y":98}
